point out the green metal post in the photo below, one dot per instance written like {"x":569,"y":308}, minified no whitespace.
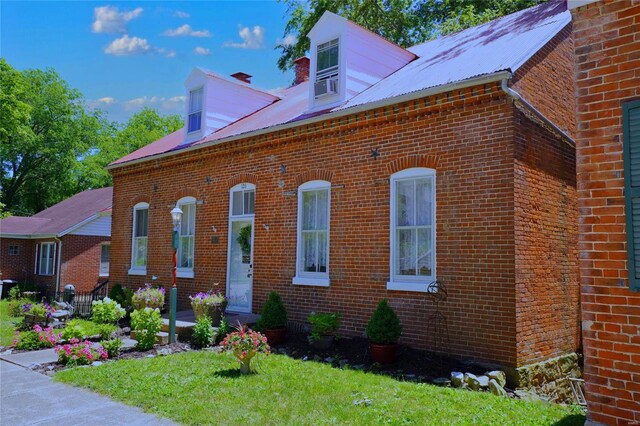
{"x":173,"y":300}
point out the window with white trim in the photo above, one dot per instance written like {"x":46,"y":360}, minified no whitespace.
{"x":105,"y":254}
{"x":186,"y":237}
{"x":139,"y":239}
{"x":312,"y":264}
{"x":327,"y":68}
{"x":47,"y":258}
{"x":413,"y":231}
{"x":14,"y":250}
{"x":194,"y":121}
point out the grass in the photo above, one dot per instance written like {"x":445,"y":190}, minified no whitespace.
{"x":89,"y":328}
{"x":205,"y":388}
{"x":7,"y":328}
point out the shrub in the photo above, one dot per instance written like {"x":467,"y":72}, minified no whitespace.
{"x":223,"y":330}
{"x":106,"y":311}
{"x":146,"y":323}
{"x":14,"y":293}
{"x":15,"y":307}
{"x":106,"y":331}
{"x":274,"y":314}
{"x":384,"y":327}
{"x":38,"y":309}
{"x":324,"y":324}
{"x":37,"y":338}
{"x":112,"y":347}
{"x":73,"y":330}
{"x":80,"y":353}
{"x":121,"y":295}
{"x":148,"y":297}
{"x":202,"y":332}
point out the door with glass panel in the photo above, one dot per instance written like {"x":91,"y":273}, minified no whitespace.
{"x":240,"y":249}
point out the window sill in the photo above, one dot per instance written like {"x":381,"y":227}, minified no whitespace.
{"x":133,"y":271}
{"x":103,"y":275}
{"x":184,"y":273}
{"x":418,"y":287}
{"x":314,"y":282}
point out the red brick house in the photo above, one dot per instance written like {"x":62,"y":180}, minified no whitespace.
{"x":379,"y":171}
{"x":68,"y":243}
{"x":607,"y":57}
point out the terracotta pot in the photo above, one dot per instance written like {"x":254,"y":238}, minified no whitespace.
{"x":276,"y":336}
{"x":323,"y":343}
{"x":384,"y":354}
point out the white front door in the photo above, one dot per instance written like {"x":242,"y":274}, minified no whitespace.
{"x":240,"y":250}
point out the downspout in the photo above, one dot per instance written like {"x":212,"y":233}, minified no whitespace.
{"x":58,"y":271}
{"x":504,"y":84}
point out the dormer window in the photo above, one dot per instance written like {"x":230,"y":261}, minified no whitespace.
{"x":195,"y":110}
{"x":327,"y":60}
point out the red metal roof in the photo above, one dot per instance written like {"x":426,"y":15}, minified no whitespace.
{"x":62,"y":216}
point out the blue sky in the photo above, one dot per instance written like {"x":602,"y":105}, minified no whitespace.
{"x":126,"y":55}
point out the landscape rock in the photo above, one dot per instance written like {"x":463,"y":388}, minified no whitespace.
{"x":498,"y":376}
{"x":164,"y":352}
{"x":496,"y":389}
{"x":34,"y":366}
{"x":484,"y":381}
{"x":441,"y":381}
{"x":526,"y":395}
{"x":472,"y":381}
{"x":96,"y":363}
{"x":328,"y":360}
{"x":457,"y":379}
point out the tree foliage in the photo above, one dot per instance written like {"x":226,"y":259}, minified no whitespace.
{"x":404,"y":22}
{"x":52,"y":147}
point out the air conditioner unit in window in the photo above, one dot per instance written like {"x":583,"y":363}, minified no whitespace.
{"x":326,"y":87}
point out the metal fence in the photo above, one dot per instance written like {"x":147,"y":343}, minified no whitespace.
{"x":82,"y":300}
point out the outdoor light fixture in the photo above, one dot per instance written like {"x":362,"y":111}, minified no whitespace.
{"x":176,"y":216}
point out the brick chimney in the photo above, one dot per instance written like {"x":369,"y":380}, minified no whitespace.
{"x":302,"y":69}
{"x":243,"y":77}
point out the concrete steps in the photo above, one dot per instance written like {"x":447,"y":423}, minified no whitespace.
{"x":184,"y":329}
{"x":162,"y":338}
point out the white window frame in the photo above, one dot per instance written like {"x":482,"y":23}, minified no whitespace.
{"x":138,"y":270}
{"x":319,"y":279}
{"x":406,"y":282}
{"x":190,"y":113}
{"x":182,"y":272}
{"x":324,"y":75}
{"x":100,"y":272}
{"x":49,"y":268}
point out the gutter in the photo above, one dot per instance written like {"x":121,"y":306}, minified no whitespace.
{"x":58,"y":271}
{"x":504,"y":85}
{"x":490,"y":78}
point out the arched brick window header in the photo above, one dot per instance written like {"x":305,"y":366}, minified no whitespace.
{"x":411,"y":161}
{"x":315,"y":174}
{"x":185,"y":192}
{"x":242,"y":178}
{"x":140,"y":199}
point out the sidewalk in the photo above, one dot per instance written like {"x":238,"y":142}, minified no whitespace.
{"x":30,"y":398}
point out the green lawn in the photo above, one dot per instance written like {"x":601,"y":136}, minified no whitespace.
{"x":205,"y":388}
{"x":7,"y":329}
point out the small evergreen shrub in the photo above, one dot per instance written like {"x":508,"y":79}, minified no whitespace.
{"x":202,"y":332}
{"x":146,"y":323}
{"x":323,"y":324}
{"x":274,"y":314}
{"x":121,"y":295}
{"x":223,"y":330}
{"x":384,"y":327}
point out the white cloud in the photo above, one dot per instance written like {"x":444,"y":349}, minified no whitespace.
{"x":107,"y":100}
{"x":172,"y":105}
{"x":289,"y":40}
{"x":181,"y":14}
{"x":108,"y":19}
{"x":126,"y":45}
{"x":186,"y":31}
{"x":167,"y":53}
{"x":251,"y":38}
{"x":202,"y":51}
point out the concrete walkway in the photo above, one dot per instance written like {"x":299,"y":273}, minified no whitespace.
{"x":30,"y":398}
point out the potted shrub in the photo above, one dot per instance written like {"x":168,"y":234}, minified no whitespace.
{"x":273,"y":320}
{"x":323,"y":329}
{"x":384,"y":330}
{"x":245,"y":344}
{"x":211,"y":304}
{"x":148,"y":297}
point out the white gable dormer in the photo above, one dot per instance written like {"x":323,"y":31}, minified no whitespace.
{"x":214,"y":102}
{"x":347,"y":59}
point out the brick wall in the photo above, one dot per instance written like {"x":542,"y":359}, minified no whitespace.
{"x":543,"y":81}
{"x":81,"y":261}
{"x":607,"y":54}
{"x":20,"y":267}
{"x":546,"y":237}
{"x":467,"y":136}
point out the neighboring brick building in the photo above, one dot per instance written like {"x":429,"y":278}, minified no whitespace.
{"x":607,"y":56}
{"x":68,"y":243}
{"x":324,"y":191}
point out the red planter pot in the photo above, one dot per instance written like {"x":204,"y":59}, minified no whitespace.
{"x":384,"y":354}
{"x":276,"y":336}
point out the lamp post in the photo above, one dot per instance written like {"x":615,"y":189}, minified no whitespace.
{"x":176,"y":216}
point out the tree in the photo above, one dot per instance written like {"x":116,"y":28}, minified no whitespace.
{"x":404,"y":22}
